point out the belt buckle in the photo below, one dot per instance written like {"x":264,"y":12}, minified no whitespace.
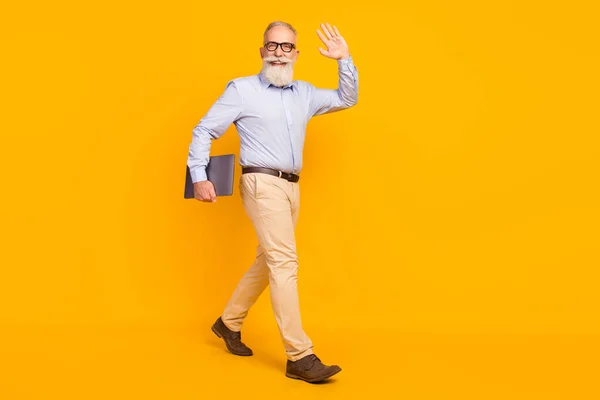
{"x":279,"y":173}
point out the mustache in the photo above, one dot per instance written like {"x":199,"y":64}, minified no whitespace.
{"x":280,"y":59}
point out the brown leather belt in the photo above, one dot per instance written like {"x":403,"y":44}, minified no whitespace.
{"x":274,"y":172}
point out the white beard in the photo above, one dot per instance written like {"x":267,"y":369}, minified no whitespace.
{"x":278,"y":75}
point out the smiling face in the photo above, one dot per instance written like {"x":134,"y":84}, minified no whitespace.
{"x":278,"y":65}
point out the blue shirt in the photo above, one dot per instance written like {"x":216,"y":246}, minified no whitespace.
{"x":270,"y":120}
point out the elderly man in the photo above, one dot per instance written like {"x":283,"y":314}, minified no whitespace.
{"x":270,"y":111}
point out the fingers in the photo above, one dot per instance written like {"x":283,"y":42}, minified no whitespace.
{"x":204,"y":198}
{"x":323,"y":38}
{"x":208,"y":198}
{"x":206,"y":193}
{"x":322,"y":51}
{"x":209,"y":194}
{"x":330,"y":30}
{"x":326,"y":31}
{"x":331,"y":34}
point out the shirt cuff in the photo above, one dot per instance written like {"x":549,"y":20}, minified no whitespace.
{"x":198,"y":174}
{"x":345,"y":61}
{"x":346,"y":66}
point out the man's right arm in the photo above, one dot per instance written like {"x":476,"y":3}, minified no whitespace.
{"x":226,"y":110}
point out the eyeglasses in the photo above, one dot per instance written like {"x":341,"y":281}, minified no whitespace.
{"x":286,"y":47}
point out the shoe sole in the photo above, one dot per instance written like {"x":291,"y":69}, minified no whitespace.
{"x":313,"y":380}
{"x":227,"y":345}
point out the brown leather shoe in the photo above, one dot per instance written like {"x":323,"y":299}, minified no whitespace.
{"x":310,"y":369}
{"x":233,"y":340}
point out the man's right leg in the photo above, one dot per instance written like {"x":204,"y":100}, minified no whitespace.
{"x":248,"y":290}
{"x":228,"y":326}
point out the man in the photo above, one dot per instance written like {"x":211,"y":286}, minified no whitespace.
{"x":270,"y":112}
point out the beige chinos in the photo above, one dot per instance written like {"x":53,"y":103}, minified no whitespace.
{"x":272,"y":203}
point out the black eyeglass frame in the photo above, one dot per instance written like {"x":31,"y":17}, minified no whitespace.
{"x":278,"y":45}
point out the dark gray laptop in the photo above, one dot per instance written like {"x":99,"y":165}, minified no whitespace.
{"x":220,"y":171}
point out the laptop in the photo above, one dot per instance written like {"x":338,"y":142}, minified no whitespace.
{"x":220,"y":171}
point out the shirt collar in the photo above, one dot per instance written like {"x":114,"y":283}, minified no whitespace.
{"x":265,"y":83}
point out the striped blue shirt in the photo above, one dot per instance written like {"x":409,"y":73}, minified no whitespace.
{"x":270,"y":120}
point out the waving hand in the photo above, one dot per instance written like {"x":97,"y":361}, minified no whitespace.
{"x":337,"y":48}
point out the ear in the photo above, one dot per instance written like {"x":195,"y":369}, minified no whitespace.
{"x":262,"y":52}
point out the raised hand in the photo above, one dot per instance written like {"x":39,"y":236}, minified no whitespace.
{"x":337,"y":48}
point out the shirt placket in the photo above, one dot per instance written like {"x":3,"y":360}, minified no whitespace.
{"x":288,"y":118}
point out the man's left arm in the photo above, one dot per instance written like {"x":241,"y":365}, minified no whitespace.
{"x":326,"y":101}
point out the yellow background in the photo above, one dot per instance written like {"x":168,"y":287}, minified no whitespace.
{"x":449,"y":226}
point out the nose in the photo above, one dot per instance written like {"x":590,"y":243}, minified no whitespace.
{"x":278,"y":52}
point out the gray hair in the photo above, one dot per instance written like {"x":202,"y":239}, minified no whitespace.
{"x":278,"y":23}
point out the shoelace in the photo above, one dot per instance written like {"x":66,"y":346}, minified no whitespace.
{"x":313,"y":359}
